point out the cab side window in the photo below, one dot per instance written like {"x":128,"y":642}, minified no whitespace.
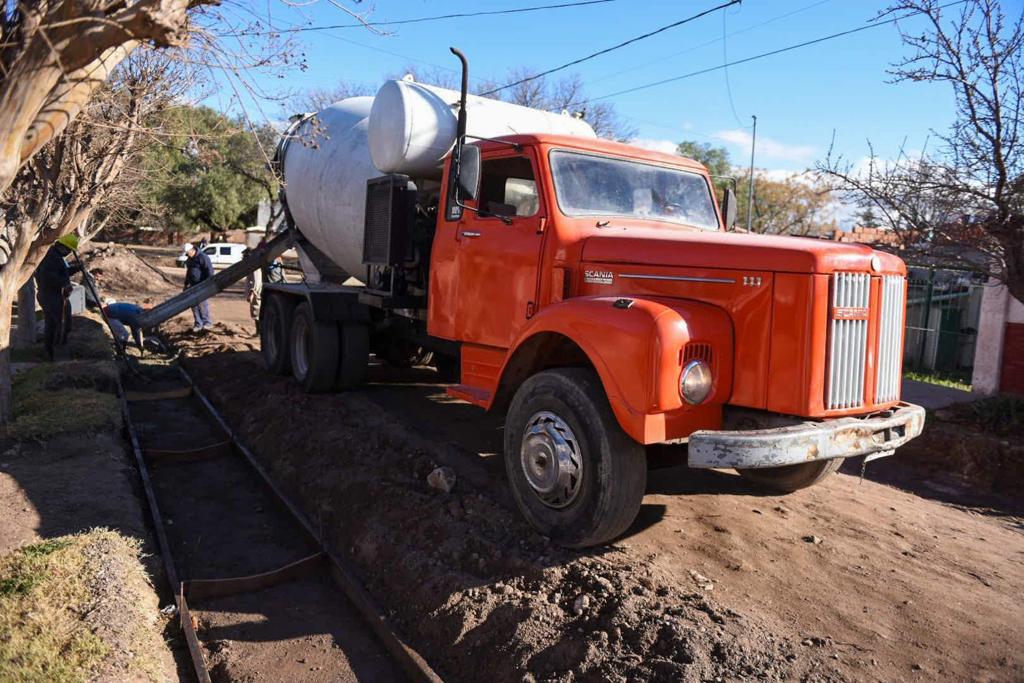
{"x":508,"y":187}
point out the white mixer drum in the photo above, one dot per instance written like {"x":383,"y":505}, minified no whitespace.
{"x":413,"y":126}
{"x":325,"y":169}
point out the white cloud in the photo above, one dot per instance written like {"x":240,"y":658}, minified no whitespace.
{"x":767,"y":147}
{"x":780,"y":174}
{"x":666,"y":146}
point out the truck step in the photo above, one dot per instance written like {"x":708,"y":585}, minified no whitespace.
{"x":474,"y":395}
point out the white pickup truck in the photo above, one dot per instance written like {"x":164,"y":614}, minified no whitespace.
{"x":221,"y":254}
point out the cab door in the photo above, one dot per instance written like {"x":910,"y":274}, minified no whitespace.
{"x":498,"y":251}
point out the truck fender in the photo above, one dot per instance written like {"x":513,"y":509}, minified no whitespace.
{"x":638,"y":351}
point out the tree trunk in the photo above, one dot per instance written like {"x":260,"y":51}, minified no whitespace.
{"x":7,"y":291}
{"x":26,"y":334}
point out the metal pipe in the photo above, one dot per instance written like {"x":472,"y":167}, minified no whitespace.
{"x":750,"y":187}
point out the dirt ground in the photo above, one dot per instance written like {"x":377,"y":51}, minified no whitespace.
{"x":850,"y":580}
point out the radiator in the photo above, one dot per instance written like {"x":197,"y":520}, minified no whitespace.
{"x":848,"y":340}
{"x":890,"y":338}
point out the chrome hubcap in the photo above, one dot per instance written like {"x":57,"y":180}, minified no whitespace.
{"x":551,"y":460}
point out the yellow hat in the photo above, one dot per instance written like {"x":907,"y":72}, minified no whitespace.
{"x":69,"y":240}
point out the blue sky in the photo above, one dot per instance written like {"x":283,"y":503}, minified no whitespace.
{"x":800,"y":97}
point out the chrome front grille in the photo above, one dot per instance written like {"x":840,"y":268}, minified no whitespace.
{"x":848,"y":340}
{"x":890,"y":338}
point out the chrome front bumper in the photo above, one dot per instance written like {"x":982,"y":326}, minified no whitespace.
{"x":875,"y":436}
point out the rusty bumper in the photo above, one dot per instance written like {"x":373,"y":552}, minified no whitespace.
{"x":875,"y":435}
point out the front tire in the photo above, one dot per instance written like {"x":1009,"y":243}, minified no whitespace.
{"x":314,"y":351}
{"x":575,"y":475}
{"x":792,"y":478}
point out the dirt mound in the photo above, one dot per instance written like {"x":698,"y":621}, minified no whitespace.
{"x":225,"y":337}
{"x":120,"y":272}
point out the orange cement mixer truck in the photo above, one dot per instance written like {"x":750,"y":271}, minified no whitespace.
{"x":591,"y":291}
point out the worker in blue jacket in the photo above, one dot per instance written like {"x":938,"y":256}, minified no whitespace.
{"x":198,"y":268}
{"x":53,"y":287}
{"x":124,"y":316}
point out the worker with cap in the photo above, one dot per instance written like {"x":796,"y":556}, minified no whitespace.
{"x":53,"y":284}
{"x":198,"y":268}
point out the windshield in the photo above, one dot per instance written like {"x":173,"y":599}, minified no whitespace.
{"x":588,"y":185}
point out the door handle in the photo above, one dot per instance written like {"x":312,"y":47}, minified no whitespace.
{"x":469,"y":233}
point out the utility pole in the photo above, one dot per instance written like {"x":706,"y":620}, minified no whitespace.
{"x":750,"y":187}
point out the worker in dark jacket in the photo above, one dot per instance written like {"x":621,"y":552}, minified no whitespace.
{"x":198,"y":268}
{"x":53,"y":286}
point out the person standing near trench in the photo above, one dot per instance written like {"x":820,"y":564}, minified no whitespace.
{"x":198,"y":268}
{"x":53,"y":284}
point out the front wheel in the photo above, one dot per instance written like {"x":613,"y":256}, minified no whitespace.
{"x":575,"y":475}
{"x":792,"y":477}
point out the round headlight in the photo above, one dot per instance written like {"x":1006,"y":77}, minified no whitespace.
{"x":695,"y":382}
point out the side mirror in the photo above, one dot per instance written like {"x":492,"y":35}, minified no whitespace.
{"x":729,"y":206}
{"x":468,"y":183}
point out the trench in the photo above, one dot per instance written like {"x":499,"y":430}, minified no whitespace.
{"x":262,"y":595}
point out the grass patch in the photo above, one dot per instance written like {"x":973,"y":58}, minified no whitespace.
{"x":44,"y":592}
{"x":55,"y":398}
{"x":44,"y":415}
{"x":942,"y":379}
{"x":76,"y":374}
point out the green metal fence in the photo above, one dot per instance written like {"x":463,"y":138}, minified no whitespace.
{"x":943,"y":308}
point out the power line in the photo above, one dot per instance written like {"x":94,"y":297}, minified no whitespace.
{"x":694,"y":48}
{"x":407,"y":58}
{"x":725,"y":60}
{"x":441,"y":17}
{"x":612,"y":48}
{"x":759,"y":56}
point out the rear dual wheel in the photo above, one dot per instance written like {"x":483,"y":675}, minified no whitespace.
{"x":320,"y":355}
{"x":314,"y":351}
{"x":275,"y":329}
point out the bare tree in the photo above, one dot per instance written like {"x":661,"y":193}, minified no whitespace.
{"x":567,"y":94}
{"x":963,"y":201}
{"x":791,"y":206}
{"x":55,"y":55}
{"x":317,"y":99}
{"x":61,"y":187}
